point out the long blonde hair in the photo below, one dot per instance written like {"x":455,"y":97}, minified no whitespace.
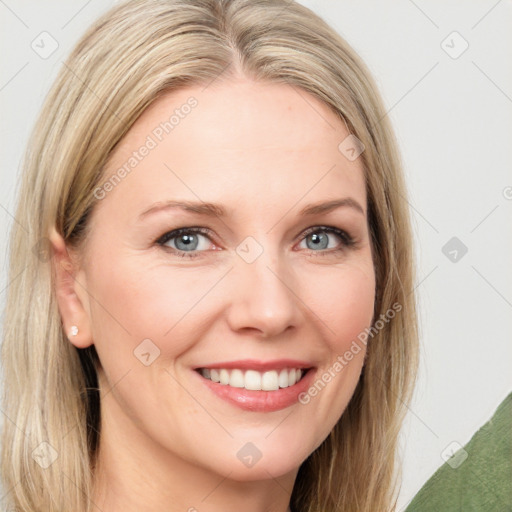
{"x":132,"y":55}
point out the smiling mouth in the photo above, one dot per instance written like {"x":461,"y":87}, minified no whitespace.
{"x":271,"y":380}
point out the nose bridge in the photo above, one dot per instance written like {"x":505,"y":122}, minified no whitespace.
{"x":264,"y":298}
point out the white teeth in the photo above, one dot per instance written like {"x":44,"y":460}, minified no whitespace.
{"x":224,"y":376}
{"x":270,"y":381}
{"x":283,"y":378}
{"x":253,"y":380}
{"x":237,"y":379}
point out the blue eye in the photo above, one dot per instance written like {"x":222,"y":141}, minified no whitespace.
{"x":320,"y":238}
{"x":185,"y":241}
{"x":190,"y":242}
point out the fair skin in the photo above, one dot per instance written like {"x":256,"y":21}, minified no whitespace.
{"x":168,"y":443}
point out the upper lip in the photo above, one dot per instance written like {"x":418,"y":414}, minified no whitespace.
{"x":254,"y":364}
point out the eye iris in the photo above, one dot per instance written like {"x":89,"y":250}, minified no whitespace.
{"x":320,"y":240}
{"x":189,"y":241}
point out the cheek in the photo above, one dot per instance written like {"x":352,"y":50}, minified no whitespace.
{"x":134,"y":302}
{"x":138,"y":300}
{"x":343,"y":300}
{"x":144,"y":319}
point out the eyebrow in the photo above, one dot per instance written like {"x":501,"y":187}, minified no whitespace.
{"x":216,"y":210}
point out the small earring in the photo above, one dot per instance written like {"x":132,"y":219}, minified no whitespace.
{"x":74,"y":330}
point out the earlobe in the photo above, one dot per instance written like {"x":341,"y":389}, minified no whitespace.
{"x":70,"y":293}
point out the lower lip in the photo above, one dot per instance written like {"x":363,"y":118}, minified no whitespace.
{"x":260,"y":401}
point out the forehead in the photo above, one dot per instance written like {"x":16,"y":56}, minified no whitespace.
{"x":260,"y":143}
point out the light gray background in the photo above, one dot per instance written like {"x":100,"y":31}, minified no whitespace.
{"x":453,"y":118}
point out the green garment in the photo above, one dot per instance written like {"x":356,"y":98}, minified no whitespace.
{"x":478,"y":477}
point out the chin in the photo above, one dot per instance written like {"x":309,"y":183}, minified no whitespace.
{"x":262,"y":460}
{"x":263,"y":470}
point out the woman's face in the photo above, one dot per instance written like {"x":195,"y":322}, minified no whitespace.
{"x":266,"y":285}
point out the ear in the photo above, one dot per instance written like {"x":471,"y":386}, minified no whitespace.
{"x":71,"y":292}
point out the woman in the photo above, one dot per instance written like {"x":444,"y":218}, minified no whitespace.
{"x":214,"y":306}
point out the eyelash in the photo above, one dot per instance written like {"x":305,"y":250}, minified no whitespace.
{"x":347,"y":240}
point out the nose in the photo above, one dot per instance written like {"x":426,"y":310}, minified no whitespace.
{"x":264,"y":297}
